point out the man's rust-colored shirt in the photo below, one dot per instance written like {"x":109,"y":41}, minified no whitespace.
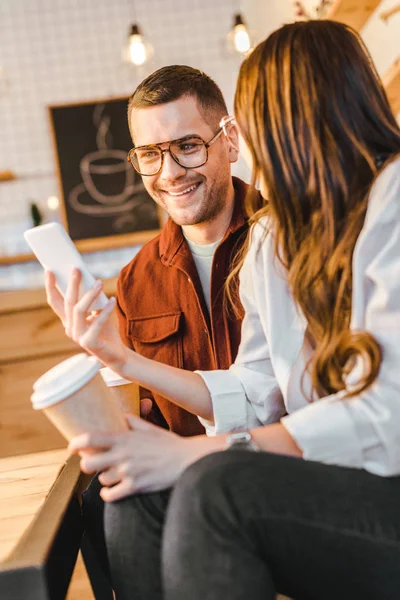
{"x":163,"y":313}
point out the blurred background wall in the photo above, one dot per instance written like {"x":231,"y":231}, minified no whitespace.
{"x":61,"y":51}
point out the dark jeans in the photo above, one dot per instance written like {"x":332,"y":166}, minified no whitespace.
{"x":93,"y":519}
{"x":244,"y":525}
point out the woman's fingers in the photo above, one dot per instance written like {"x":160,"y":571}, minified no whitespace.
{"x":91,"y":317}
{"x":139,"y":424}
{"x":77,"y":310}
{"x":91,"y":441}
{"x":84,"y":304}
{"x":81,"y":308}
{"x":89,"y":339}
{"x":110,"y":477}
{"x":125,"y":488}
{"x":70,"y":300}
{"x":98,"y":462}
{"x":53,"y":296}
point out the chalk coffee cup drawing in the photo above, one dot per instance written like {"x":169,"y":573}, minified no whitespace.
{"x":125,"y":392}
{"x":108,"y":177}
{"x":75,"y":399}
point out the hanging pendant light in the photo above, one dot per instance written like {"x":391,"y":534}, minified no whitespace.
{"x":137,"y":51}
{"x":241,"y":35}
{"x":238,"y":38}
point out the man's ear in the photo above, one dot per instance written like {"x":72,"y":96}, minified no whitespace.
{"x":232,"y":135}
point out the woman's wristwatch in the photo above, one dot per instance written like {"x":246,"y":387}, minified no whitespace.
{"x":242,"y":440}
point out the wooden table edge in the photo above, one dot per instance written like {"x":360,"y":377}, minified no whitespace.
{"x":41,"y":564}
{"x":35,"y":544}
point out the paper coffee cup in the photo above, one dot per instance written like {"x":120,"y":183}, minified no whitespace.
{"x":124,"y":391}
{"x":73,"y":396}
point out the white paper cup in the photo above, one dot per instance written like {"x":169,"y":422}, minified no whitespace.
{"x":124,"y":391}
{"x":73,"y":396}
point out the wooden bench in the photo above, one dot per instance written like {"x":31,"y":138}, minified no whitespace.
{"x":40,"y":524}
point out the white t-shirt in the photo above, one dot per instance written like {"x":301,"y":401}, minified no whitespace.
{"x":265,"y":382}
{"x":203,"y":255}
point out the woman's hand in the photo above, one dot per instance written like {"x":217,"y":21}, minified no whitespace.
{"x":95,"y":331}
{"x":145,"y":459}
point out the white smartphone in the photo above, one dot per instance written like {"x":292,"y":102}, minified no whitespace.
{"x":56,"y":252}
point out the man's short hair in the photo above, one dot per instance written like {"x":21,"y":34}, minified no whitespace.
{"x":176,"y":81}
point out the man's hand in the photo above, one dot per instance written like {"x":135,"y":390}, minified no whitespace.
{"x":95,"y":331}
{"x":145,"y":459}
{"x":146,"y":404}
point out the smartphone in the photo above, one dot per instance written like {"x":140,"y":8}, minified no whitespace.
{"x":56,"y":252}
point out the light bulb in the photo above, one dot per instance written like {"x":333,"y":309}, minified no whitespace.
{"x":53,"y":202}
{"x":238,"y":39}
{"x":137,"y":50}
{"x":241,"y":39}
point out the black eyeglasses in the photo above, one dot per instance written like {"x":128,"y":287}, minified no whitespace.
{"x":189,"y":152}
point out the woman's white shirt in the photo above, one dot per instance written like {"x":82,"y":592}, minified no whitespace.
{"x":266,"y":381}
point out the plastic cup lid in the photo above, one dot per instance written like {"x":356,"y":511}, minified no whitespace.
{"x":111,"y":378}
{"x":63,"y":380}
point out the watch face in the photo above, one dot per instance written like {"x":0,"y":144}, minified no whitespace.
{"x":242,"y":437}
{"x":243,"y":440}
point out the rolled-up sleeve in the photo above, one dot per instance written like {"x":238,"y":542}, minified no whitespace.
{"x":247,"y":394}
{"x":364,"y":431}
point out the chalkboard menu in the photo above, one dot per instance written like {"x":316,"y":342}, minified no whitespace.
{"x":101,"y":194}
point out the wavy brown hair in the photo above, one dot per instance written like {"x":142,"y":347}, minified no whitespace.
{"x":314,"y":114}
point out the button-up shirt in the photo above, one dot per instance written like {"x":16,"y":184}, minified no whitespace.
{"x":163,"y":313}
{"x":265,"y":382}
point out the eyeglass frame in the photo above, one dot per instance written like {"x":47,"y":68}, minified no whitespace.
{"x":226,"y":120}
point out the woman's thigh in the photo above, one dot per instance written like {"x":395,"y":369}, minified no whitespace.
{"x":322,"y":532}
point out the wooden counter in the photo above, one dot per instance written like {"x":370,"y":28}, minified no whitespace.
{"x":32,"y":340}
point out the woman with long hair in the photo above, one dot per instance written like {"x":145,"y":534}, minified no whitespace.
{"x":308,"y":504}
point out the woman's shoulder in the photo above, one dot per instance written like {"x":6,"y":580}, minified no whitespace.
{"x":260,"y":229}
{"x":384,"y":196}
{"x":261,"y":250}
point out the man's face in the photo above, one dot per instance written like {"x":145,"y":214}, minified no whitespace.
{"x":189,"y":196}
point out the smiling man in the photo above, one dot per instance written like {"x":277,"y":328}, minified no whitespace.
{"x":170,"y":297}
